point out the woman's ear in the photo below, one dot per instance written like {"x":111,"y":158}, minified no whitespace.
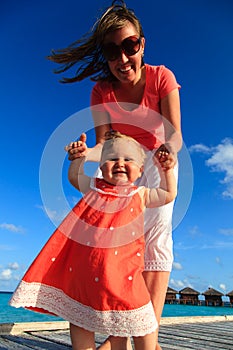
{"x":143,"y":41}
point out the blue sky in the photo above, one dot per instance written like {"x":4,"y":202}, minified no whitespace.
{"x":39,"y":115}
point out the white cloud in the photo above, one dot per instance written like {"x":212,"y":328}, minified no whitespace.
{"x":6,"y":274}
{"x":223,"y":287}
{"x":183,"y":246}
{"x":177,"y":266}
{"x":226,"y":232}
{"x":195,"y":232}
{"x":221,"y":161}
{"x":218,"y":260}
{"x":215,"y":244}
{"x":218,"y":245}
{"x":11,"y":227}
{"x":177,"y":284}
{"x":200,"y":148}
{"x":13,"y":266}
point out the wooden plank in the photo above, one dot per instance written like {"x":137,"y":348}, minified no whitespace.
{"x":34,"y":342}
{"x":99,"y":339}
{"x":59,"y":337}
{"x":4,"y":346}
{"x":188,"y":341}
{"x":215,"y":332}
{"x":201,"y":335}
{"x":195,"y":319}
{"x":190,"y":336}
{"x":17,"y":328}
{"x":7,"y":344}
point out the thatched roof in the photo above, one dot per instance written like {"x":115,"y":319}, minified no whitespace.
{"x":188,"y":291}
{"x":171,"y":290}
{"x":230,"y":294}
{"x":212,"y":292}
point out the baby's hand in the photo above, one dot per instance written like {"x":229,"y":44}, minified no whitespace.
{"x":166,"y":159}
{"x":77,"y":149}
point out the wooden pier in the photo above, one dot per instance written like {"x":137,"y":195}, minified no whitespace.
{"x":176,"y":333}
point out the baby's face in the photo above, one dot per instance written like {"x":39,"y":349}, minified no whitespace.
{"x":121,"y":162}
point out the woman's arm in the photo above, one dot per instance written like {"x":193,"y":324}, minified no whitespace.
{"x":170,"y":110}
{"x":102,"y":125}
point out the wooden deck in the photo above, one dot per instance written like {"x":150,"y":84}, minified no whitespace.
{"x":176,"y":333}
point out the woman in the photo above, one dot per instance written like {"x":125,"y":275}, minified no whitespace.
{"x":130,"y":96}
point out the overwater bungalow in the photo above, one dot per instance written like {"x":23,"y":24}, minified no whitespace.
{"x":171,"y":296}
{"x":230,"y":295}
{"x":213,"y":297}
{"x":189,"y":296}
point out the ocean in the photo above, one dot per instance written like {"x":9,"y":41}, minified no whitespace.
{"x":10,"y":314}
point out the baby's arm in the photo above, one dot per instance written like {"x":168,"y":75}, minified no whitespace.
{"x":165,"y":193}
{"x":77,"y":176}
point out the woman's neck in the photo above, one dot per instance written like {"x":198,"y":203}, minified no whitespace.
{"x":131,"y":92}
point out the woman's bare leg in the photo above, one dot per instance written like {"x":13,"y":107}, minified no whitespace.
{"x":116,"y":343}
{"x":82,"y":339}
{"x":157,"y":283}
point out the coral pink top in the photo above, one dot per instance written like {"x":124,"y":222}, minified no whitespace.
{"x":143,"y":122}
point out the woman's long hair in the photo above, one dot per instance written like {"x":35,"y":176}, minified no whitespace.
{"x":86,"y":53}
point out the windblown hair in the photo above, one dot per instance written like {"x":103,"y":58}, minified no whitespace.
{"x":86,"y":52}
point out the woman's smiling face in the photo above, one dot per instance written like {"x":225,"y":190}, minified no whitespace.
{"x":126,"y":68}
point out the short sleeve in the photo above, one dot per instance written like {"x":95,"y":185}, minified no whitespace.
{"x":97,"y":98}
{"x":166,"y":81}
{"x":96,"y":95}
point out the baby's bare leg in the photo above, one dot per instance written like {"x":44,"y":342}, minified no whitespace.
{"x":82,"y":339}
{"x":148,"y":342}
{"x":116,"y":343}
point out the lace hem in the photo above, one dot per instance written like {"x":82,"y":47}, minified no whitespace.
{"x":158,"y":265}
{"x":43,"y":298}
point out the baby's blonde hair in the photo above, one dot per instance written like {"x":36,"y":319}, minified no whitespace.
{"x":112,"y":136}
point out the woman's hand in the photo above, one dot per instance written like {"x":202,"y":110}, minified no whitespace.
{"x":77,"y":149}
{"x":166,"y":157}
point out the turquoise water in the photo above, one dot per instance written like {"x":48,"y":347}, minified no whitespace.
{"x":10,"y":314}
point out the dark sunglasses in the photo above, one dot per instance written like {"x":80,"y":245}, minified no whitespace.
{"x":130,"y":46}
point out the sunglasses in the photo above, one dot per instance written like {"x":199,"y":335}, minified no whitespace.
{"x":130,"y":46}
